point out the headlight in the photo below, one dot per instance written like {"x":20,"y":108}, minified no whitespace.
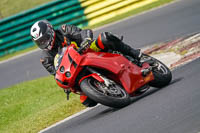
{"x":57,"y":61}
{"x":68,"y":74}
{"x":62,"y":69}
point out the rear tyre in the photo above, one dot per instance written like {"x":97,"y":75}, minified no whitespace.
{"x":162,"y":74}
{"x":113,"y":96}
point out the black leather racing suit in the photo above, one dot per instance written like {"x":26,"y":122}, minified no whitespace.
{"x":67,"y":33}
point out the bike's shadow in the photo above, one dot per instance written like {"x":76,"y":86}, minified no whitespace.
{"x":153,"y":90}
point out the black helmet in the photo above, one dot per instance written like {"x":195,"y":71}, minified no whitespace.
{"x":42,"y":34}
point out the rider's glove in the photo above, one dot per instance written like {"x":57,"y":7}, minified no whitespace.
{"x":85,"y":45}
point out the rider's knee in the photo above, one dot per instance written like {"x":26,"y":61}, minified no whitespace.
{"x":106,"y":40}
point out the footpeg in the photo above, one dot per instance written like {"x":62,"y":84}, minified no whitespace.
{"x":146,"y":71}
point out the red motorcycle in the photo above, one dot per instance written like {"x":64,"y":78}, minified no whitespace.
{"x":108,"y":78}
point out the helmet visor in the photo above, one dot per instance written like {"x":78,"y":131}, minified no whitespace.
{"x":44,"y":41}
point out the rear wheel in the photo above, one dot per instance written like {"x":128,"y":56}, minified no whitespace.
{"x":113,"y":96}
{"x":162,"y":74}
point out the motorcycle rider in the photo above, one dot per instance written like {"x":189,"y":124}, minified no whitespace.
{"x":51,"y":40}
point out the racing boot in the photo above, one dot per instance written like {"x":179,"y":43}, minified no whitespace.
{"x":127,"y":50}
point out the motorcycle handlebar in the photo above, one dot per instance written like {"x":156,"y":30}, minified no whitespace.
{"x":84,"y":47}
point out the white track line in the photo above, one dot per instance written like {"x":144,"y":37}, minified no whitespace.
{"x":18,"y":56}
{"x":68,"y":118}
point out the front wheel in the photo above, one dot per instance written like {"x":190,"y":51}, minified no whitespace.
{"x":114,"y":95}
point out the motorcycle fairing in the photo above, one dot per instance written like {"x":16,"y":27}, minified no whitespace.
{"x":128,"y":73}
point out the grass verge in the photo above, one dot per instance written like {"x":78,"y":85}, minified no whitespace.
{"x":31,"y":106}
{"x":34,"y":105}
{"x":11,"y":7}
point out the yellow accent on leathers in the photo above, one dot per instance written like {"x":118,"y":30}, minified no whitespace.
{"x":93,"y":46}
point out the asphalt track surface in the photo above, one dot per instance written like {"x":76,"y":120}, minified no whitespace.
{"x":175,"y":20}
{"x":172,"y":109}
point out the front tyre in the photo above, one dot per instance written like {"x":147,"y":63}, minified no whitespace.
{"x":113,"y":96}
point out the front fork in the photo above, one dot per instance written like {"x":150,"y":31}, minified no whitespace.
{"x":105,"y":80}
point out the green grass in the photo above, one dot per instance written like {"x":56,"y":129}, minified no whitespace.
{"x":11,"y":7}
{"x":34,"y":105}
